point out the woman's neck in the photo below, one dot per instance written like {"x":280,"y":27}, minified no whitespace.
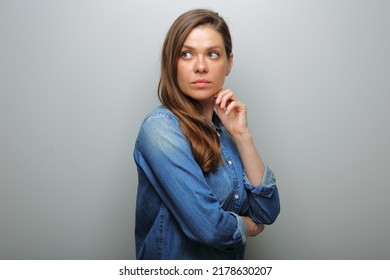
{"x":208,"y":108}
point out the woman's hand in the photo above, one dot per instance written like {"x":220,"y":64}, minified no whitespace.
{"x":231,"y":112}
{"x":252,"y":229}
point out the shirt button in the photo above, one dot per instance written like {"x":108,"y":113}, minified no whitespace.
{"x":230,"y":162}
{"x":236,"y":196}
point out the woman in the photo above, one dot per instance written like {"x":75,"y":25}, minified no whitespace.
{"x":203,"y":188}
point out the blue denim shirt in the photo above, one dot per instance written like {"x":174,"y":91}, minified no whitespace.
{"x":184,"y":213}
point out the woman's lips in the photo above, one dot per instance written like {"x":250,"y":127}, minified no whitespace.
{"x":201,"y":83}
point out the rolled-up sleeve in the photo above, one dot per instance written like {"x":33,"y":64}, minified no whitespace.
{"x":241,"y":226}
{"x":264,"y":204}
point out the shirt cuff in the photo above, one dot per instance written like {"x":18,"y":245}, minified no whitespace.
{"x":266,"y":187}
{"x":241,"y":225}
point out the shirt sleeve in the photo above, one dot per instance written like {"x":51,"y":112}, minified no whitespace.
{"x":264,"y":204}
{"x":179,"y":181}
{"x":241,"y":226}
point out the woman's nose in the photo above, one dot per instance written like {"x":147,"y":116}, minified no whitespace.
{"x":200,"y":65}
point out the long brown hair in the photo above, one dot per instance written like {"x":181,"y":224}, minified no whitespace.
{"x":202,"y":138}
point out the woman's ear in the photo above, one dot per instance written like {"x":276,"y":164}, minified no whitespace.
{"x":230,"y":64}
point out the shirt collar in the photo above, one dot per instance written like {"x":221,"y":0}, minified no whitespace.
{"x":216,"y":121}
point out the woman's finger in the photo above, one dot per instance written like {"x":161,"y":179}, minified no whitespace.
{"x":231,"y":106}
{"x":224,"y":97}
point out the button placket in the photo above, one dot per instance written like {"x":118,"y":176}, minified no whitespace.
{"x":236,"y":197}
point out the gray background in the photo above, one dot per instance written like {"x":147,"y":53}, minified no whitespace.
{"x":77,"y":78}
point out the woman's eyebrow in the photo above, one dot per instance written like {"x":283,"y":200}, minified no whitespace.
{"x":193,"y":48}
{"x":188,"y":47}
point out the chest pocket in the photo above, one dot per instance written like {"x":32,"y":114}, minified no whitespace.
{"x":222,"y":184}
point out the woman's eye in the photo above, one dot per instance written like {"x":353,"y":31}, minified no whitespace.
{"x":213,"y":55}
{"x":186,"y":55}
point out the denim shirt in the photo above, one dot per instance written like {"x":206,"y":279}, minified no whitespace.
{"x":184,"y":213}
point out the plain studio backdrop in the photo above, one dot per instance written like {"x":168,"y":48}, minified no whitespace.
{"x":78,"y":77}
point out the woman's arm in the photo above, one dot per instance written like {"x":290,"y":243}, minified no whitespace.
{"x":233,"y":115}
{"x":251,"y":160}
{"x":260,"y":181}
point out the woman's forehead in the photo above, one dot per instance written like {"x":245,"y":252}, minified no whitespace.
{"x":204,"y":37}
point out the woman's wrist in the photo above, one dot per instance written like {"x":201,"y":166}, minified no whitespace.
{"x":242,"y":136}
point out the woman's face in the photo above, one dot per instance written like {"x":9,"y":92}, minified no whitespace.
{"x":203,"y":64}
